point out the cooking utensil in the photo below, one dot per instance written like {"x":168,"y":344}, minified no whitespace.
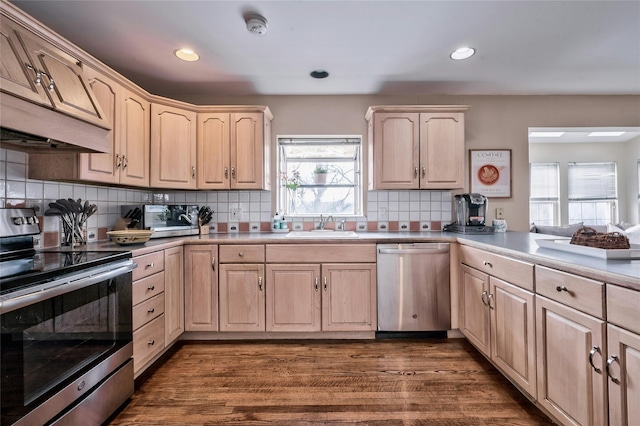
{"x":204,"y":215}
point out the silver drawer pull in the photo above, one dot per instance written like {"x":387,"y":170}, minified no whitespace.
{"x":150,"y":265}
{"x":594,"y":351}
{"x":484,"y":298}
{"x":487,"y":263}
{"x":151,"y":287}
{"x":241,"y":254}
{"x":151,"y":342}
{"x":561,"y":288}
{"x":611,"y":360}
{"x":152,"y":310}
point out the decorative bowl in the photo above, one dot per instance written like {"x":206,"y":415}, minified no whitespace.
{"x":130,"y":236}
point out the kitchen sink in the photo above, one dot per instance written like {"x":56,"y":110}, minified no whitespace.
{"x":321,"y":233}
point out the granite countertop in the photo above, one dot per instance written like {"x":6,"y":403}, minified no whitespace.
{"x":519,"y":245}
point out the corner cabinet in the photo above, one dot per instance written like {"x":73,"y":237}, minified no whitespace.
{"x":416,"y":147}
{"x":173,"y":147}
{"x":233,"y":146}
{"x":497,"y":316}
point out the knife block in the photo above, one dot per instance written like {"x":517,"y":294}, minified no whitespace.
{"x":204,"y":229}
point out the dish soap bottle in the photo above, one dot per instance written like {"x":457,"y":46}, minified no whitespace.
{"x":276,"y":221}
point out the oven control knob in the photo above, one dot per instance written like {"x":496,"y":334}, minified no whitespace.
{"x":81,"y":385}
{"x":18,"y":220}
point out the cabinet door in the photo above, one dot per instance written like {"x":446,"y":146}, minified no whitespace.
{"x":513,"y":333}
{"x":441,"y":150}
{"x":247,"y":150}
{"x":134,"y":139}
{"x":624,"y":376}
{"x":242,"y":299}
{"x":396,"y":144}
{"x":68,"y":89}
{"x":201,"y":288}
{"x":104,"y":167}
{"x":571,"y":364}
{"x":173,"y":148}
{"x":474,"y":312}
{"x":293,"y":298}
{"x":349,"y":297}
{"x":213,"y":151}
{"x":173,"y":294}
{"x":15,"y":75}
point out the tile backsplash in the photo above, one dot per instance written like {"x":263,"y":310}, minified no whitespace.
{"x":385,"y":210}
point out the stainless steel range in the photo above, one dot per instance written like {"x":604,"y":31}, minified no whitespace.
{"x":66,"y":329}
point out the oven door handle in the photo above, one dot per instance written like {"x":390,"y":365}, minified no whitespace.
{"x":67,"y":285}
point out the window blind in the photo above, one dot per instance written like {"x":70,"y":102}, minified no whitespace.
{"x":544,"y":181}
{"x":592,"y":181}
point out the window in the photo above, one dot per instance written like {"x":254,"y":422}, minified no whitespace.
{"x":544,"y":201}
{"x":319,"y":175}
{"x":592,"y":193}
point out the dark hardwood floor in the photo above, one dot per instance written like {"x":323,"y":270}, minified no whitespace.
{"x":404,"y":382}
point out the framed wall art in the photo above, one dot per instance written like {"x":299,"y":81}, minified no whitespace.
{"x":490,"y":172}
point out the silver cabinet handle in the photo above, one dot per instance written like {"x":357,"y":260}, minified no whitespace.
{"x":152,"y":310}
{"x":233,"y":172}
{"x":611,"y":360}
{"x":151,"y":342}
{"x":150,"y":265}
{"x":193,"y":172}
{"x":213,"y":263}
{"x":415,"y":172}
{"x":260,"y":283}
{"x":561,"y":288}
{"x":125,"y":162}
{"x":324,"y":283}
{"x":51,"y":84}
{"x":118,"y":161}
{"x":241,"y":254}
{"x":489,"y":299}
{"x":487,"y":263}
{"x":594,"y":351}
{"x":316,"y":284}
{"x":226,"y":173}
{"x":151,"y":287}
{"x":483,"y":297}
{"x":424,"y":172}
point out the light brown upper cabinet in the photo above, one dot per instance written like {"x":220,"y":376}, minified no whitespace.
{"x":173,"y":147}
{"x":233,"y":148}
{"x":416,"y":147}
{"x":60,"y":76}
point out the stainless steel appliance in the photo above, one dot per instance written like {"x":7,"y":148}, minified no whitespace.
{"x":66,"y":329}
{"x":166,"y":220}
{"x":471,"y":211}
{"x":413,"y":287}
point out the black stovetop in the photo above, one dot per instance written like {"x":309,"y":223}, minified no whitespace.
{"x":39,"y":267}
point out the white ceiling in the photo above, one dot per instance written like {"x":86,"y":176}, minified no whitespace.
{"x":368,"y":47}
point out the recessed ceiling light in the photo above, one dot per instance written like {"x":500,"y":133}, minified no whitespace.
{"x":463,"y":53}
{"x":319,"y":74}
{"x":606,"y":134}
{"x":546,"y":134}
{"x":187,"y":55}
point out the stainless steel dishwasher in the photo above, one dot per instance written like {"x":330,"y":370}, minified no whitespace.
{"x":413,"y":287}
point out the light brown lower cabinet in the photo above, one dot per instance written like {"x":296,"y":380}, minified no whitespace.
{"x":571,"y":364}
{"x":499,"y":319}
{"x":242,"y":297}
{"x":623,"y":370}
{"x":327,"y":297}
{"x":201,"y":288}
{"x":173,"y":293}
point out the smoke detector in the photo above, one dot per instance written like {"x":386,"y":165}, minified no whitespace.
{"x":257,"y":25}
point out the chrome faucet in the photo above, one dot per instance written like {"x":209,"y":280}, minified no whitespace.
{"x":324,"y":220}
{"x":342,"y":225}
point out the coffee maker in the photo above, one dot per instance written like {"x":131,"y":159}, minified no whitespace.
{"x":471,"y":212}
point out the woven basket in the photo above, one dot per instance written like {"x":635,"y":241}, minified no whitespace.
{"x":589,"y":237}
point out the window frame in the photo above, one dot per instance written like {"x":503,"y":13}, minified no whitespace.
{"x":554,"y":201}
{"x":281,"y":197}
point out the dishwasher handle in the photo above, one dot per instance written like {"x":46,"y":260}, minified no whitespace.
{"x":414,"y":250}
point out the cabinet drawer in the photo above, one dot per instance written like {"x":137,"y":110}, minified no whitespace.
{"x":321,"y":253}
{"x":148,"y":264}
{"x":514,"y":271}
{"x":147,"y":287}
{"x":246,"y":253}
{"x":148,"y":341}
{"x":148,"y":310}
{"x":578,"y":292}
{"x":623,"y":307}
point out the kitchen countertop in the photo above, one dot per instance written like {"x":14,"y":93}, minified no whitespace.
{"x":519,"y":245}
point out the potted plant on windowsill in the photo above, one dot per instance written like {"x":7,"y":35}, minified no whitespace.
{"x":320,"y":174}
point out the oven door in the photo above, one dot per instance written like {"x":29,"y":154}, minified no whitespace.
{"x":50,"y":343}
